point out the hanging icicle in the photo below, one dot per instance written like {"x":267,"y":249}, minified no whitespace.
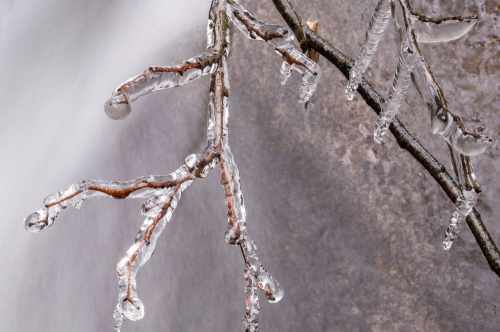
{"x":376,"y":30}
{"x":399,"y":90}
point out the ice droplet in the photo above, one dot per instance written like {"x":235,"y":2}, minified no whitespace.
{"x":133,"y":309}
{"x":272,"y":290}
{"x":117,"y":110}
{"x":376,"y":30}
{"x":37,"y":221}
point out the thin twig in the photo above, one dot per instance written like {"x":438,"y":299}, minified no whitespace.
{"x":405,"y":140}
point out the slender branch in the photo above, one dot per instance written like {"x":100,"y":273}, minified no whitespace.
{"x":405,"y":140}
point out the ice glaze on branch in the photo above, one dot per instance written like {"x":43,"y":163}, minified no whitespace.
{"x":281,"y":39}
{"x":159,"y":78}
{"x":405,"y":140}
{"x":163,"y":193}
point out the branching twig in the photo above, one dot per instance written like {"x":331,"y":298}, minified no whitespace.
{"x":405,"y":140}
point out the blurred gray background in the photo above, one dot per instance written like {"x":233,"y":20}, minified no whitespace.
{"x":351,"y":229}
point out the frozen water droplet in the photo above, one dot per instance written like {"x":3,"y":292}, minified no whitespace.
{"x":117,"y":110}
{"x":133,"y":309}
{"x":37,"y":221}
{"x":274,"y":293}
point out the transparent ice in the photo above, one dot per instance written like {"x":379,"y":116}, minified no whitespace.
{"x":399,"y":90}
{"x":464,"y":207}
{"x":376,"y":29}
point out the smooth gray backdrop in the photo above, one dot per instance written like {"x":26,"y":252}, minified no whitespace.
{"x":351,"y":229}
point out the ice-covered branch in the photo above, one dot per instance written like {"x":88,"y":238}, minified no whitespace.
{"x":76,"y":194}
{"x":405,"y":140}
{"x":163,"y":193}
{"x":281,"y":39}
{"x":159,"y":78}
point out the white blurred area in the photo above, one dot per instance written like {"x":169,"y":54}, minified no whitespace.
{"x":59,"y":62}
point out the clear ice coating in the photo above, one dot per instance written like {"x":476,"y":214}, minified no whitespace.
{"x":159,"y":78}
{"x":445,"y":31}
{"x":265,"y":281}
{"x":468,"y":144}
{"x":76,"y":194}
{"x":230,"y":178}
{"x":464,"y":207}
{"x":400,"y":86}
{"x":252,"y":305}
{"x":282,"y":41}
{"x":158,"y":210}
{"x":300,"y":63}
{"x":376,"y":29}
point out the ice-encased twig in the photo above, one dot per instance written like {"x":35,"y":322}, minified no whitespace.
{"x":281,"y":39}
{"x":464,"y":206}
{"x":376,"y":29}
{"x":76,"y":194}
{"x":399,"y":89}
{"x":157,"y":78}
{"x":158,"y":210}
{"x":256,"y":277}
{"x":162,"y":193}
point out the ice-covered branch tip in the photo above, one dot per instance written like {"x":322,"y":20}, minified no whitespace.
{"x":159,"y":78}
{"x":281,"y":39}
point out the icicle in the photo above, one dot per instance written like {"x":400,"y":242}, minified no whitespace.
{"x":444,"y":31}
{"x":300,"y":63}
{"x":464,"y":207}
{"x":400,"y":85}
{"x":376,"y":29}
{"x":159,"y":210}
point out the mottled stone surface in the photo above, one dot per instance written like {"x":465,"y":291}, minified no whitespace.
{"x":351,"y":229}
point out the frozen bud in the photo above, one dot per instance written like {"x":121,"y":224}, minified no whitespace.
{"x":117,"y":110}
